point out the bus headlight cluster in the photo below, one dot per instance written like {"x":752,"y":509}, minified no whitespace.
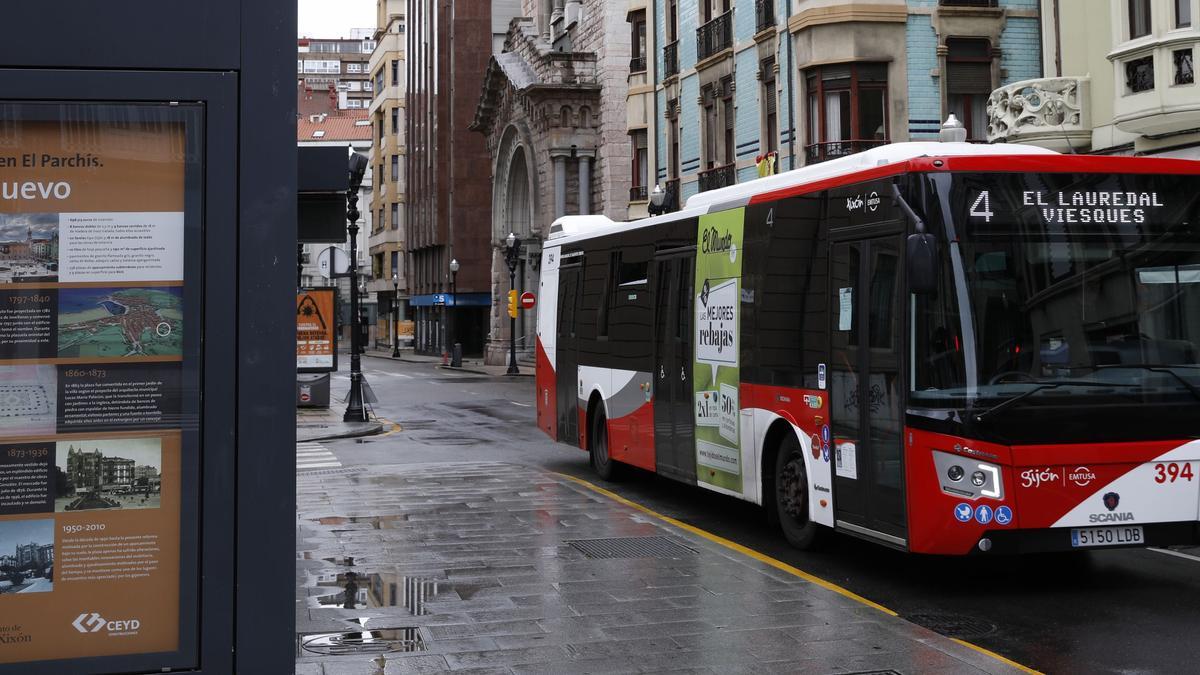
{"x":985,"y":479}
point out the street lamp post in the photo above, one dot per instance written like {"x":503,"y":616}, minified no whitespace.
{"x":355,"y":410}
{"x":513,"y":257}
{"x":395,"y":315}
{"x":455,"y":348}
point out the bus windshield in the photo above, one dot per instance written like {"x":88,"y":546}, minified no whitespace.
{"x":1062,"y":290}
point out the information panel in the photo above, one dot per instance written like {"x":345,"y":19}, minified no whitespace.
{"x":97,"y":396}
{"x":316,"y":339}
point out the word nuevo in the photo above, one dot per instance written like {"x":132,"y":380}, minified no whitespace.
{"x":34,"y":190}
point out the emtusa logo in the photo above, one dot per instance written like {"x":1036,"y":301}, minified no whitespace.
{"x":91,"y":622}
{"x":1082,"y":476}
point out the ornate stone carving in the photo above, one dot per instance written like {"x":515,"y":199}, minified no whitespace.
{"x":1049,"y":112}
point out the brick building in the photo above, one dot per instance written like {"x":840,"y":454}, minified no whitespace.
{"x":449,"y":201}
{"x":332,"y":74}
{"x":553,"y":110}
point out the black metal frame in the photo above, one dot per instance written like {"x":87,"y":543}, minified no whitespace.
{"x":714,"y":36}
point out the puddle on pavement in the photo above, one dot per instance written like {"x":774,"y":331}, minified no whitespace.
{"x":375,"y":641}
{"x":354,"y":590}
{"x":375,"y":522}
{"x":410,"y":425}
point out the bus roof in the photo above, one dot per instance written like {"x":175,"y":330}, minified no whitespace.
{"x":569,"y":227}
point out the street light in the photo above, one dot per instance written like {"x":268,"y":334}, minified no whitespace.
{"x":395,"y":315}
{"x":513,"y":257}
{"x":660,"y":201}
{"x":355,"y":410}
{"x":455,"y":348}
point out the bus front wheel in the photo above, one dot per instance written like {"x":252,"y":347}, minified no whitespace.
{"x":791,"y":495}
{"x":602,"y":463}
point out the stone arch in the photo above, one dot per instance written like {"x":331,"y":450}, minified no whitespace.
{"x":564,"y":116}
{"x":585,"y":118}
{"x":515,"y":194}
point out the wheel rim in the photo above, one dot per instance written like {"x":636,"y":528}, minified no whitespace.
{"x":793,"y":490}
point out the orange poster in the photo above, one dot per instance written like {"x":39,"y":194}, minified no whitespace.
{"x":94,"y":335}
{"x":316,"y":341}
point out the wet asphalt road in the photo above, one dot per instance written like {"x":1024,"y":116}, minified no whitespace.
{"x":1123,"y":611}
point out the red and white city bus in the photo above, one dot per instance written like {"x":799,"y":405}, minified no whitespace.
{"x":941,"y":347}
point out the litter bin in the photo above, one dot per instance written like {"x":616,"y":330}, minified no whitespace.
{"x":312,"y":390}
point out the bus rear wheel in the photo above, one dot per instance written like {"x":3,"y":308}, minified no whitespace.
{"x":602,"y":463}
{"x":791,"y":495}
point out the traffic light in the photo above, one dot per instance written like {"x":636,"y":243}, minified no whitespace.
{"x":512,"y":304}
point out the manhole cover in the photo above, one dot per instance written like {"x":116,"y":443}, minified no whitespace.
{"x":377,"y":641}
{"x":953,"y":625}
{"x":631,"y":547}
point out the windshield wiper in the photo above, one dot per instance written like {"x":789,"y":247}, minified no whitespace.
{"x":1156,"y":368}
{"x":1042,"y":386}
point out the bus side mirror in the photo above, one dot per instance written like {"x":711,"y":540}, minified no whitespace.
{"x":922,"y":255}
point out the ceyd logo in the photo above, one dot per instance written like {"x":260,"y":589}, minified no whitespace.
{"x":91,"y":622}
{"x":1032,"y":478}
{"x":1082,"y":476}
{"x":1111,"y":501}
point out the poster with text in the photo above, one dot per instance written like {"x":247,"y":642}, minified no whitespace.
{"x":316,"y":341}
{"x":94,"y":335}
{"x":716,"y":368}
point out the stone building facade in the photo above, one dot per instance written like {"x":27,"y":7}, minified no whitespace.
{"x":553,"y":111}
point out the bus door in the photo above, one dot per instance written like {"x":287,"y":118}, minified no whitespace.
{"x":865,"y":388}
{"x":674,"y":433}
{"x":570,"y":282}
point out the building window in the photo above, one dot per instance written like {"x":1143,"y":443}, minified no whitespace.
{"x":395,"y":215}
{"x":1184,"y":72}
{"x":353,"y":67}
{"x":969,"y":83}
{"x":379,"y":80}
{"x":672,"y":20}
{"x":1139,"y":18}
{"x":395,"y":168}
{"x":637,"y":61}
{"x":770,"y":106}
{"x":395,"y":72}
{"x":395,"y":120}
{"x":641,"y":164}
{"x":847,"y":109}
{"x":1183,"y":13}
{"x":710,"y":127}
{"x":396,"y":264}
{"x":730,"y":153}
{"x":1139,"y":75}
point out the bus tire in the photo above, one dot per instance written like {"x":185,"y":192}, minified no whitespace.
{"x":602,"y":462}
{"x":791,"y":495}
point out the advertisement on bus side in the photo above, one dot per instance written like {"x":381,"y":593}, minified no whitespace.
{"x":715,"y":371}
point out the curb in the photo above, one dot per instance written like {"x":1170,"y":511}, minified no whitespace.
{"x":373,"y":429}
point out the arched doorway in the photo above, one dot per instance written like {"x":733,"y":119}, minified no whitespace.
{"x":514,"y":206}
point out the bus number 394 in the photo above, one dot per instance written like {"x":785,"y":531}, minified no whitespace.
{"x":1169,"y":473}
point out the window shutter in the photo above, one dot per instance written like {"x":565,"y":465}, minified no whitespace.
{"x":969,"y":78}
{"x":769,"y":97}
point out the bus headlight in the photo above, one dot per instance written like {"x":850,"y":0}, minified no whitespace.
{"x":955,"y":473}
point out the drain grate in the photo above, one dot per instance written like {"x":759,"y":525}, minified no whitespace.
{"x":330,"y":472}
{"x":953,"y":625}
{"x":632,"y":547}
{"x":377,"y":641}
{"x":875,"y":672}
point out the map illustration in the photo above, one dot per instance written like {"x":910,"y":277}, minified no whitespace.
{"x":120,"y":322}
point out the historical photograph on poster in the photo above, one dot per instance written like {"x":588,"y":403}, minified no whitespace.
{"x":122,"y":473}
{"x":114,"y":322}
{"x":28,"y":405}
{"x":26,"y":556}
{"x":28,"y":247}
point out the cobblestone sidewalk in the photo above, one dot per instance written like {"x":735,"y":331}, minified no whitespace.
{"x":498,"y":568}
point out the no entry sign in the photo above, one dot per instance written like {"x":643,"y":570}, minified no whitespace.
{"x":528,"y":300}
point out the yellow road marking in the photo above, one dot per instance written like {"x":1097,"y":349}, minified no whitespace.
{"x":777,"y":564}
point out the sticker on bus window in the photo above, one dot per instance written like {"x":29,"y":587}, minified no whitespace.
{"x":845,"y":308}
{"x":729,"y":413}
{"x":846,"y":453}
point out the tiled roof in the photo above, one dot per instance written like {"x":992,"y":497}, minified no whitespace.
{"x":340,"y":127}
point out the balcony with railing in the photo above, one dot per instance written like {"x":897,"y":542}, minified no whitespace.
{"x":639,"y":193}
{"x":969,"y":3}
{"x":1051,"y":112}
{"x":714,"y":36}
{"x":671,"y":59}
{"x":637,"y":65}
{"x":764,"y":15}
{"x":718,"y":177}
{"x":821,"y":152}
{"x":1157,"y":94}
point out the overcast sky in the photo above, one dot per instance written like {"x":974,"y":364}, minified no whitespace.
{"x":333,"y":18}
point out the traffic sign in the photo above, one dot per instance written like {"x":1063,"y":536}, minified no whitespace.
{"x":528,"y":300}
{"x":333,"y":262}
